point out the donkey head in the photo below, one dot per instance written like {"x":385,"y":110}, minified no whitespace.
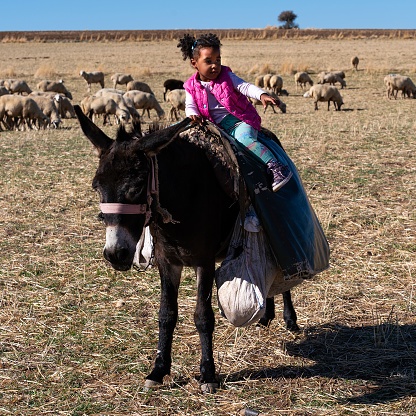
{"x":122,"y":180}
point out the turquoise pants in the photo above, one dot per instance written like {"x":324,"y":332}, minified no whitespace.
{"x":247,"y":136}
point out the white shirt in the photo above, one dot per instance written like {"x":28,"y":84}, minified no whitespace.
{"x":217,"y":110}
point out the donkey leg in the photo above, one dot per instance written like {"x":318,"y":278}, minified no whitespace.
{"x":269,"y":314}
{"x":205,"y":322}
{"x":170,"y":276}
{"x":289,"y":314}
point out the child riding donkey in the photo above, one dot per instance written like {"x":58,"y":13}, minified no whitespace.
{"x":215,"y":93}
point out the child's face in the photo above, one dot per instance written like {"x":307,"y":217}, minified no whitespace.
{"x":208,"y":64}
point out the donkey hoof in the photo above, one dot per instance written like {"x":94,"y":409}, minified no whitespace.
{"x":151,"y":384}
{"x":209,"y":387}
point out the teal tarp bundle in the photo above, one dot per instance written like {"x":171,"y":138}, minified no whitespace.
{"x":291,"y":225}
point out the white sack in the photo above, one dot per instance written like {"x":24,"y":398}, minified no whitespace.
{"x":249,"y":275}
{"x":144,"y":249}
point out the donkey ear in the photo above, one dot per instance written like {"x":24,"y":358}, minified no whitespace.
{"x":94,"y":134}
{"x":156,"y":141}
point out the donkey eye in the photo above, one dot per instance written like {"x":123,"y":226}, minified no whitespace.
{"x":131,"y":194}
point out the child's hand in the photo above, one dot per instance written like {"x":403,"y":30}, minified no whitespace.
{"x":265,"y":98}
{"x":196,"y":119}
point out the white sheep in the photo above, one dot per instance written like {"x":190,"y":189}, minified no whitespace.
{"x":120,"y":78}
{"x":16,"y":109}
{"x":146,"y":101}
{"x":302,"y":78}
{"x":139,"y":86}
{"x":111,"y":90}
{"x":401,"y":83}
{"x":276,"y":85}
{"x":17,"y":86}
{"x":354,"y":62}
{"x":282,"y":106}
{"x":325,"y":93}
{"x":94,"y":77}
{"x":94,"y":105}
{"x":52,"y":95}
{"x":123,"y":102}
{"x":331,"y":78}
{"x":65,"y":107}
{"x":387,"y":84}
{"x":177,"y":100}
{"x":54,"y":86}
{"x":266,"y":80}
{"x":47,"y":105}
{"x":259,"y":81}
{"x":63,"y":103}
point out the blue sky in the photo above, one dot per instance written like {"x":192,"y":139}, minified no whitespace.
{"x":211,"y":14}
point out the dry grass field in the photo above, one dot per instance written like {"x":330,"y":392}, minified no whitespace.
{"x":69,"y":347}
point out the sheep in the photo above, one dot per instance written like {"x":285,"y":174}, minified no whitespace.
{"x":47,"y":105}
{"x":259,"y":81}
{"x":65,"y":107}
{"x":302,"y":78}
{"x":55,"y":86}
{"x":20,"y":109}
{"x":282,"y":106}
{"x":146,"y":101}
{"x":63,"y":104}
{"x":266,"y":80}
{"x":123,"y":102}
{"x":325,"y":93}
{"x":177,"y":99}
{"x":94,"y":77}
{"x":354,"y":62}
{"x":340,"y":73}
{"x":139,"y":86}
{"x":400,"y":83}
{"x":17,"y":86}
{"x":171,"y":84}
{"x":93,"y":105}
{"x":111,"y":90}
{"x":276,"y":84}
{"x":331,"y":78}
{"x":3,"y":91}
{"x":120,"y":78}
{"x":50,"y":94}
{"x":387,"y":84}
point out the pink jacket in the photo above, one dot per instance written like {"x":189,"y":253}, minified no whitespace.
{"x":223,"y":90}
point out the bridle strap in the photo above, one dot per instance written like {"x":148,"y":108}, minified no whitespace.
{"x":117,"y":208}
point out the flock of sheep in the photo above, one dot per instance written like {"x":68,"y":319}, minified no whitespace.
{"x":52,"y":101}
{"x":320,"y":92}
{"x":47,"y":106}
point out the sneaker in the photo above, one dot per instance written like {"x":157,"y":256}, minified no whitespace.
{"x":281,"y":174}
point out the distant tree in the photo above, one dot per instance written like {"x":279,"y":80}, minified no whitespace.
{"x":288,"y":17}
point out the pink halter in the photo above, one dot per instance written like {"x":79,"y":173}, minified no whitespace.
{"x":118,"y":208}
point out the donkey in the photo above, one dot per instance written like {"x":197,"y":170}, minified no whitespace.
{"x":202,"y":217}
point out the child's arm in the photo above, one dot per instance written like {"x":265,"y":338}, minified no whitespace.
{"x":252,"y":91}
{"x":191,"y":109}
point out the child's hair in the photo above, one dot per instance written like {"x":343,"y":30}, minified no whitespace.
{"x":190,"y":46}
